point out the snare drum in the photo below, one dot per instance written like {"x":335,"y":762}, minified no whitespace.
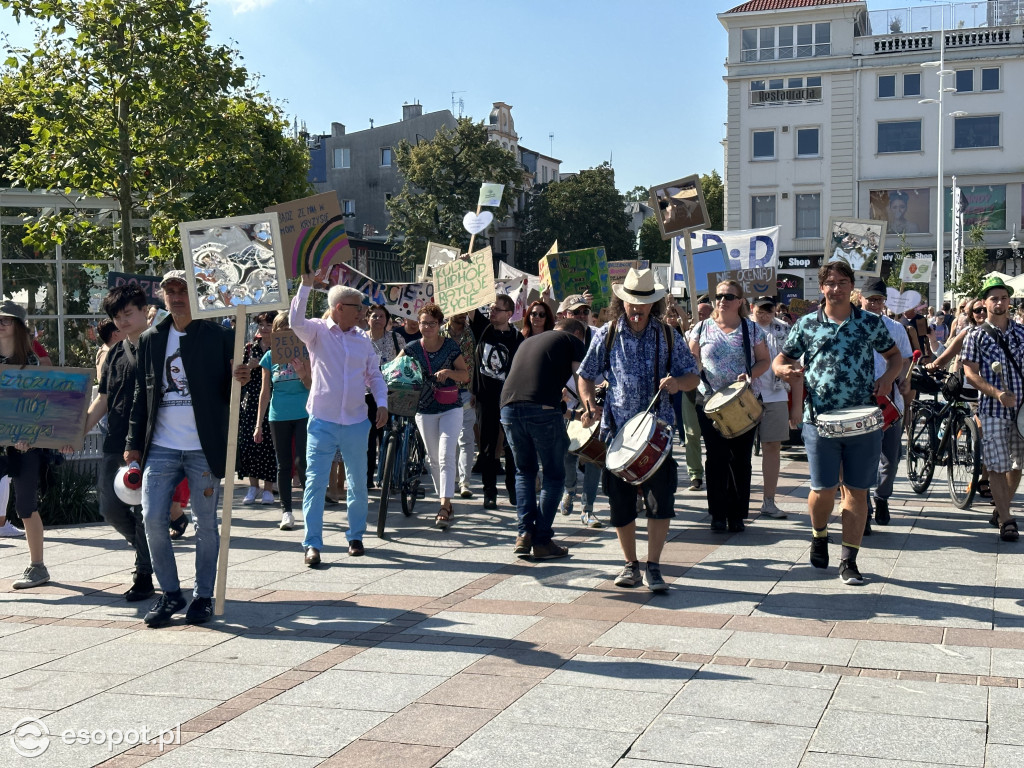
{"x":639,"y":448}
{"x":585,"y":443}
{"x":734,"y":409}
{"x":890,"y":413}
{"x":849,"y":422}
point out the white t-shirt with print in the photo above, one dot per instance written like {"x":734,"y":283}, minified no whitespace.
{"x":175,"y":420}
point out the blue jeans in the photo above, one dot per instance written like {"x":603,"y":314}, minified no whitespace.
{"x":323,"y":440}
{"x":165,"y":468}
{"x":536,"y":433}
{"x":591,"y":479}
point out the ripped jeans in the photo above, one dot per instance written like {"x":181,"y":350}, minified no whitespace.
{"x":164,"y":469}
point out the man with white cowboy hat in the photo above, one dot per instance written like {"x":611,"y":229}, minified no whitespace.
{"x":639,"y":356}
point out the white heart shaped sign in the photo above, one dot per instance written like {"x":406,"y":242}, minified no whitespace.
{"x":901,"y":302}
{"x":475,"y":223}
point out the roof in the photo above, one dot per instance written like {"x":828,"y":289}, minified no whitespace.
{"x":781,"y":5}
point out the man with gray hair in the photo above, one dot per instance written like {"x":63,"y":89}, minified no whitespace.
{"x":344,"y":365}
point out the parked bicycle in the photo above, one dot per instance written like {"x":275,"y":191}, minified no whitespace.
{"x":943,"y":432}
{"x":401,"y":470}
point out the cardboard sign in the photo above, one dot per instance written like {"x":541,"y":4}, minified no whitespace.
{"x":916,"y":270}
{"x":679,"y":206}
{"x":755,"y":282}
{"x":343,"y":274}
{"x":617,"y":270}
{"x":235,"y":262}
{"x":407,"y":299}
{"x":705,"y":260}
{"x":542,"y":267}
{"x":150,"y":284}
{"x":490,"y":194}
{"x":579,"y":271}
{"x":464,"y":285}
{"x":801,"y":307}
{"x":313,"y":232}
{"x":44,"y":407}
{"x":285,"y":346}
{"x":858,"y":242}
{"x":516,"y":289}
{"x":507,"y":272}
{"x":438,"y":254}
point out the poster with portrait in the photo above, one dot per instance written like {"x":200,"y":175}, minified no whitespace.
{"x":904,"y":211}
{"x":984,"y":206}
{"x":233,"y":262}
{"x":858,"y":242}
{"x":679,"y":206}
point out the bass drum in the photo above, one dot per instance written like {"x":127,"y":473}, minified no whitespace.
{"x":585,"y":443}
{"x":639,"y":448}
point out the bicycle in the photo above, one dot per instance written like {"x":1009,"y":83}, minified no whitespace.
{"x":403,"y":456}
{"x":943,"y":433}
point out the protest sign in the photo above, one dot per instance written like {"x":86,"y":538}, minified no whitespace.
{"x":705,"y":260}
{"x":285,"y":346}
{"x":858,"y":242}
{"x":407,"y":299}
{"x":579,"y":271}
{"x":438,"y":254}
{"x":542,"y":267}
{"x":150,"y":284}
{"x":490,"y":194}
{"x":679,"y":206}
{"x":916,"y":270}
{"x":507,"y":272}
{"x":462,"y":285}
{"x":44,"y":407}
{"x":617,"y":270}
{"x":744,"y":248}
{"x":755,"y":282}
{"x":231,"y":263}
{"x":312,"y":232}
{"x":801,"y":307}
{"x":343,"y":274}
{"x":516,"y":289}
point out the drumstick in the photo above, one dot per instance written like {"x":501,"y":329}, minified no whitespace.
{"x":649,"y":409}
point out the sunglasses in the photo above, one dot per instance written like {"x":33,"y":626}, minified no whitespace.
{"x":979,"y":311}
{"x":578,"y":312}
{"x":539,"y":314}
{"x":726,"y":297}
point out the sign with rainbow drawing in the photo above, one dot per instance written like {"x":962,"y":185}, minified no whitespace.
{"x":44,"y":407}
{"x":313,"y":232}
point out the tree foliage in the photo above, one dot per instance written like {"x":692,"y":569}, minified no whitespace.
{"x":714,"y":198}
{"x":442,"y":178}
{"x":128,"y":99}
{"x":653,"y":247}
{"x":637,"y":194}
{"x":970,"y":280}
{"x":580,"y":212}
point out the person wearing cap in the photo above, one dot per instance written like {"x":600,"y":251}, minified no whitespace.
{"x":577,"y":307}
{"x":838,"y":372}
{"x":999,"y":341}
{"x":774,"y":392}
{"x":643,"y":360}
{"x":179,"y":428}
{"x":126,"y":306}
{"x":872,"y":299}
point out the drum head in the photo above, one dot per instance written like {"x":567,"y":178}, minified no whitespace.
{"x":578,"y":434}
{"x":629,"y":440}
{"x":725,"y":395}
{"x":850,"y":414}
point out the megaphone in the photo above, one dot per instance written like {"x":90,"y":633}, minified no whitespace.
{"x":128,"y":484}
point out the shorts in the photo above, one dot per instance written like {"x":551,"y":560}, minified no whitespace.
{"x":1002,"y":447}
{"x":774,"y":426}
{"x":658,"y":494}
{"x":856,"y":456}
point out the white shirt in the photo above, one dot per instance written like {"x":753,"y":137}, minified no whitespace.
{"x":771,"y":388}
{"x":175,"y":420}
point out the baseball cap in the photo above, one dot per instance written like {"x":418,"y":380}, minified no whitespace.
{"x":174,"y":274}
{"x":764,"y":301}
{"x":10,"y":309}
{"x":570,"y":303}
{"x":874,"y":287}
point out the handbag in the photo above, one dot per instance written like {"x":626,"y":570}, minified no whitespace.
{"x":446,"y":394}
{"x":402,"y":373}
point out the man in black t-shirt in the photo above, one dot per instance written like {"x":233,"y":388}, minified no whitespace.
{"x":531,"y":413}
{"x":496,"y":345}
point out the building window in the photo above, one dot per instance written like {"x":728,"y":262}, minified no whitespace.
{"x":769,"y":43}
{"x":385,"y":157}
{"x":886,"y":86}
{"x":972,"y":132}
{"x":762,"y":211}
{"x":807,"y":144}
{"x":964,"y":80}
{"x":814,"y":81}
{"x":348,"y":207}
{"x":764,"y":145}
{"x":903,"y":136}
{"x":912,"y":84}
{"x":808,"y":215}
{"x":545,"y":174}
{"x":785,"y":42}
{"x":342,"y":157}
{"x":766,"y":43}
{"x":990,"y":79}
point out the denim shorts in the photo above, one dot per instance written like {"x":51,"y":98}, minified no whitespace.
{"x":857,"y":456}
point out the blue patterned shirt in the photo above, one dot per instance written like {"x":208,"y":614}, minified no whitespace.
{"x":630,"y":373}
{"x":839,"y":366}
{"x":981,"y":348}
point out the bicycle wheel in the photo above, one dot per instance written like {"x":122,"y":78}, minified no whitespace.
{"x":412,"y":483}
{"x":963,"y":461}
{"x":385,"y":482}
{"x":920,"y":457}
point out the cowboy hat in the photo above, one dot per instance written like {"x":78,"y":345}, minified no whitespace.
{"x":639,"y":287}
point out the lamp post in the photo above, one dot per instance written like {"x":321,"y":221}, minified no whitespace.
{"x":1015,"y":247}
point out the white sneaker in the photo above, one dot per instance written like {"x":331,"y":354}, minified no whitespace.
{"x":8,"y":531}
{"x":769,"y":508}
{"x":250,"y":497}
{"x":268,"y":498}
{"x":465,"y":492}
{"x":287,"y":521}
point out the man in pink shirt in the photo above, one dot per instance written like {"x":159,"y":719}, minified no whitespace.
{"x":344,"y":364}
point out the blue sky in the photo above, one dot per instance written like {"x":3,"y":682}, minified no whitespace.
{"x":639,"y":83}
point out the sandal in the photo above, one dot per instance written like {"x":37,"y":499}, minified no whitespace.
{"x":1008,"y":530}
{"x":178,"y":526}
{"x":444,"y":517}
{"x":984,"y":490}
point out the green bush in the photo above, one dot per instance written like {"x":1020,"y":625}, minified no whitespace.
{"x":69,"y":496}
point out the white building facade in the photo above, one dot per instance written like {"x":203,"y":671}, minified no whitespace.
{"x":824,"y":120}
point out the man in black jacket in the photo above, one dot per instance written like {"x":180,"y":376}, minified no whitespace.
{"x":178,"y":429}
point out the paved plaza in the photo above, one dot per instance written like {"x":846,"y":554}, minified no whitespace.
{"x":441,"y":648}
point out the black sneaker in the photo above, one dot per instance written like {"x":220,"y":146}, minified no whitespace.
{"x":630,"y":576}
{"x":719,"y":526}
{"x":655,"y":581}
{"x":168,"y":604}
{"x":819,"y":552}
{"x":867,"y":526}
{"x":142,"y":588}
{"x":882,"y":516}
{"x":849,"y":573}
{"x":490,"y":501}
{"x":201,"y":610}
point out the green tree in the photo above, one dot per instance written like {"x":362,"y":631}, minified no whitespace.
{"x":442,"y":183}
{"x":580,"y":212}
{"x":969,"y":281}
{"x":653,"y":247}
{"x":714,"y":198}
{"x":637,"y":194}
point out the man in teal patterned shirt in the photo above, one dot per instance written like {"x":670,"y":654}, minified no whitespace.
{"x":836,"y":345}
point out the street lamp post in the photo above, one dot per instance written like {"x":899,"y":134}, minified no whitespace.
{"x":1015,"y":248}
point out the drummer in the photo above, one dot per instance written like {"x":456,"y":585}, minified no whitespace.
{"x":729,"y":347}
{"x":837,"y":343}
{"x":638,"y":355}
